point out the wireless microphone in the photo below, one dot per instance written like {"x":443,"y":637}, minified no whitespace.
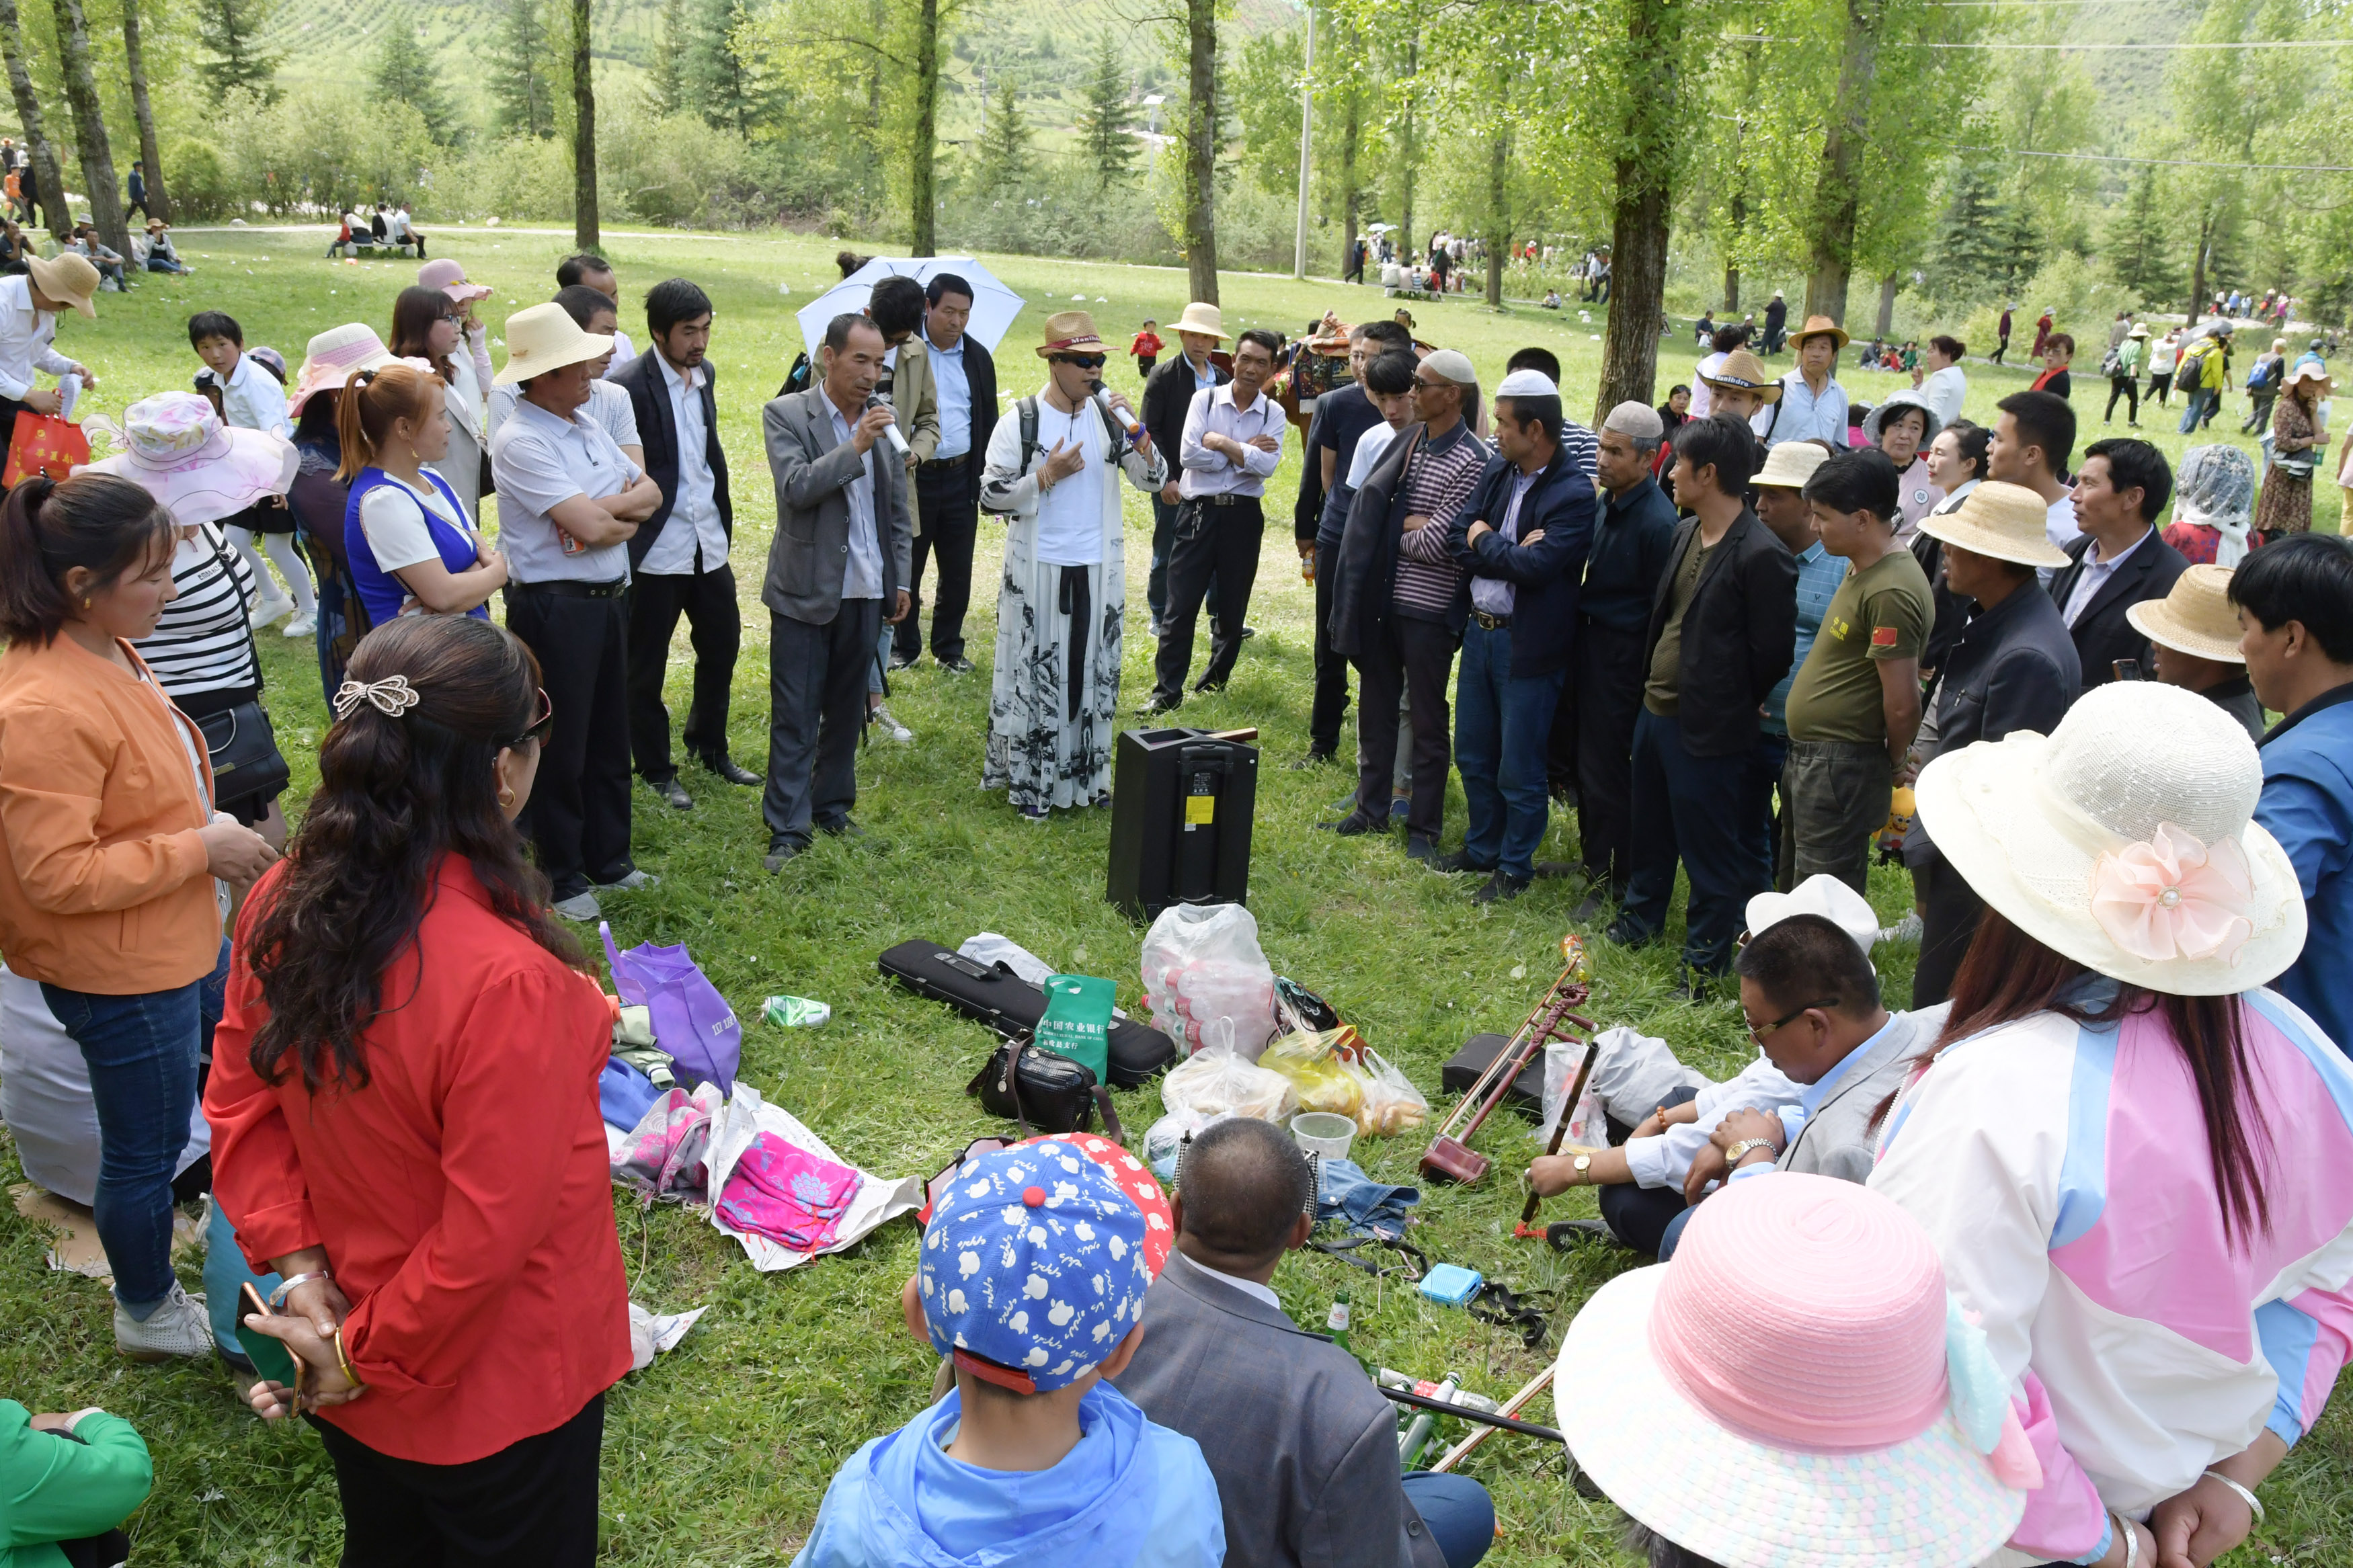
{"x":898,"y":442}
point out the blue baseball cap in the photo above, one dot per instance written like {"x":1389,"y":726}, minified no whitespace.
{"x":1033,"y":1267}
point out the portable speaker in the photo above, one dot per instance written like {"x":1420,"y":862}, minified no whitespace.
{"x":1180,"y":818}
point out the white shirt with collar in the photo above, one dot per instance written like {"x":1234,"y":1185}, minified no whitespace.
{"x":1249,"y":1288}
{"x":1946,"y":391}
{"x":541,"y":460}
{"x":27,"y":339}
{"x":1208,"y":473}
{"x":693,"y":521}
{"x":251,"y":399}
{"x":861,"y":575}
{"x":2094,"y":576}
{"x":608,"y":404}
{"x":1496,"y":595}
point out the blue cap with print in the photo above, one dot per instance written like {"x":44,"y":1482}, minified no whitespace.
{"x":1033,"y":1267}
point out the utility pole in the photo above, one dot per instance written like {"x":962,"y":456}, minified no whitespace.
{"x":1306,"y":143}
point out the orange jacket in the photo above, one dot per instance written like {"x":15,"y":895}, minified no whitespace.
{"x":104,"y":886}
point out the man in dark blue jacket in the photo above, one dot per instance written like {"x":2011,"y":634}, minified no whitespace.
{"x":1523,"y":539}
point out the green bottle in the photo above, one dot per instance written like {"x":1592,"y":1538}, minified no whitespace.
{"x":1337,"y":1325}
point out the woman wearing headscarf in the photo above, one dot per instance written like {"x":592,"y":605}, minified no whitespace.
{"x":2298,"y":446}
{"x":2135,"y":1161}
{"x":2213,"y":506}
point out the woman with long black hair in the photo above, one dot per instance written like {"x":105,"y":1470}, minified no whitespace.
{"x":428,"y":325}
{"x":2135,"y":1163}
{"x":405,"y":1120}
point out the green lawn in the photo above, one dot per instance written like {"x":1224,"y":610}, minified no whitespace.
{"x":720,"y":1453}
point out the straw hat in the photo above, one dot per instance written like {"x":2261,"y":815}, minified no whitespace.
{"x":1811,"y":1395}
{"x":201,"y":470}
{"x":545,"y":338}
{"x":2137,"y":332}
{"x":1789,"y":465}
{"x":2125,"y":840}
{"x":2194,"y":617}
{"x":450,"y":276}
{"x":2322,"y":384}
{"x":2003,"y":521}
{"x":332,"y":357}
{"x":1743,"y":371}
{"x":1071,"y":332}
{"x":71,"y":277}
{"x":1815,"y":327}
{"x":1896,"y":403}
{"x":1206,"y":320}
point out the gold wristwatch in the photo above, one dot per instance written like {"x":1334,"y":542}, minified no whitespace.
{"x":1582,"y":1165}
{"x":1742,"y":1150}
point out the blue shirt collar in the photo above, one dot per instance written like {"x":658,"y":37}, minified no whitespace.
{"x":1811,"y":1100}
{"x":1811,"y":553}
{"x":956,"y":351}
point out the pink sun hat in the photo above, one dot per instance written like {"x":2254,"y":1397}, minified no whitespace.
{"x":201,"y":470}
{"x":1797,"y":1390}
{"x":450,"y":276}
{"x":333,"y":356}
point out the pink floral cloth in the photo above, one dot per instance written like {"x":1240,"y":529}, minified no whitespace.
{"x":790,"y":1197}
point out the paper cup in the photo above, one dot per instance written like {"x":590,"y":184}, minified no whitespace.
{"x":1323,"y":1132}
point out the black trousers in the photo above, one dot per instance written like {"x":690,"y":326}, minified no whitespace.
{"x":1156,"y":584}
{"x":1331,"y":671}
{"x":715,"y":626}
{"x":2001,"y":348}
{"x":947,"y":521}
{"x":1609,"y":668}
{"x":2128,"y":388}
{"x":1211,"y":546}
{"x":1948,"y":924}
{"x":1639,"y":1217}
{"x":532,"y":1504}
{"x":1561,"y":741}
{"x":1415,"y":657}
{"x":816,"y":710}
{"x":578,"y":817}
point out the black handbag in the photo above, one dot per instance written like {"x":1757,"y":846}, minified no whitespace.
{"x":247,"y":762}
{"x":1043,"y":1091}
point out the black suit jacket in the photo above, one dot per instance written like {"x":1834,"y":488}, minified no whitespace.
{"x":1546,"y":575}
{"x":980,"y":377}
{"x":1167,"y":395}
{"x":650,"y":399}
{"x":2102,"y":633}
{"x":1739,"y":632}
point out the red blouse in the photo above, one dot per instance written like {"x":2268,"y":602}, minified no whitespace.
{"x":463,"y":1195}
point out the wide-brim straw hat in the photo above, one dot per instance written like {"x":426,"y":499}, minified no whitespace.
{"x":1818,"y":326}
{"x":1790,"y":464}
{"x":333,"y":356}
{"x":2125,"y":840}
{"x":2138,"y":331}
{"x":2323,"y":385}
{"x":201,"y":470}
{"x":1071,"y":332}
{"x":545,"y":338}
{"x":1744,"y":372}
{"x":2195,"y":616}
{"x":1801,"y":1385}
{"x":2006,"y":522}
{"x":1896,"y":404}
{"x":71,"y":277}
{"x":1204,"y":318}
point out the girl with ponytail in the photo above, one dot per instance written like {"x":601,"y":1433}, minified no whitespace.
{"x":107,"y":887}
{"x":411,"y":542}
{"x":404,"y":1112}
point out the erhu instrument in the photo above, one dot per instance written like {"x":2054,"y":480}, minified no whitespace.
{"x":1449,"y":1155}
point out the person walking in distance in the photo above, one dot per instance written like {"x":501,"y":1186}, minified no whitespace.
{"x":947,"y":483}
{"x":1168,"y":392}
{"x":2002,"y":330}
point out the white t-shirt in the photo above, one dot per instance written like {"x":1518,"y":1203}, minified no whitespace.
{"x":1703,"y":394}
{"x":1369,"y":447}
{"x":392,"y":517}
{"x":1070,"y":515}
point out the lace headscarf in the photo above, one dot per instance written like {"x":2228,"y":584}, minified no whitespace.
{"x":2216,"y":490}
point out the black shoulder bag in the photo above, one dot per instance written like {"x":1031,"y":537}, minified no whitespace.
{"x":247,"y":764}
{"x":1029,"y":1084}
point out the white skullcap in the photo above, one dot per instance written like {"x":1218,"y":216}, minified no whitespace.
{"x":1639,"y":420}
{"x":1823,"y":895}
{"x":1528,"y":384}
{"x":1454,"y":366}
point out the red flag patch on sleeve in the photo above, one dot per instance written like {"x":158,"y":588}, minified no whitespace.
{"x":1883,"y":637}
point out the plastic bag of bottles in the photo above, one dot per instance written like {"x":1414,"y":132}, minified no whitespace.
{"x":1208,"y":980}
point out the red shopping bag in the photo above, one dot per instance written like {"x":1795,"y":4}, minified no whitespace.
{"x":43,"y":444}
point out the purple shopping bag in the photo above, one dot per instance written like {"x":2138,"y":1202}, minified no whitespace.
{"x":692,"y":1021}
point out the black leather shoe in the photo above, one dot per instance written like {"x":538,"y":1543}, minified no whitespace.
{"x":672,"y":792}
{"x":727,"y":768}
{"x":1502,"y":888}
{"x":1315,"y":758}
{"x":955,"y":665}
{"x":1417,"y":848}
{"x":841,"y":828}
{"x":1559,"y":869}
{"x":1561,"y":1232}
{"x":782,"y":851}
{"x":1455,"y":860}
{"x":1156,"y":703}
{"x":1591,"y":908}
{"x":1352,"y":825}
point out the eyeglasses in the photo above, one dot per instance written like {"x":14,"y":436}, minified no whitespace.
{"x":1756,"y":1032}
{"x":539,"y":726}
{"x":1085,"y":362}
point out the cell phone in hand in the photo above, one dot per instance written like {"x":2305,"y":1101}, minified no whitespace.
{"x":270,"y":1357}
{"x":2127,"y":669}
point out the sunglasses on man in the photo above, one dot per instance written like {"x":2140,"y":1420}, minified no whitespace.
{"x":1085,"y":362}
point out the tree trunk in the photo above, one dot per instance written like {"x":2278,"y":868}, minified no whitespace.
{"x":1201,"y":149}
{"x":134,"y":55}
{"x":1352,"y":130}
{"x":1732,"y":247}
{"x":2198,"y":265}
{"x":1838,"y":197}
{"x":588,"y":233}
{"x":89,"y":126}
{"x":923,"y":233}
{"x":42,"y":156}
{"x":1639,"y":211}
{"x":1886,"y":324}
{"x":1409,"y":156}
{"x":1499,"y":221}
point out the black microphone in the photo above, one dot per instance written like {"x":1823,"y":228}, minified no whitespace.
{"x":898,"y":442}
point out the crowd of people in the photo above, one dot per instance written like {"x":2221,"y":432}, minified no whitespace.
{"x":1728,"y":634}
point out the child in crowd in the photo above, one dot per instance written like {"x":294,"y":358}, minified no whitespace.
{"x":1147,"y":349}
{"x":251,"y":397}
{"x":1032,"y":1279}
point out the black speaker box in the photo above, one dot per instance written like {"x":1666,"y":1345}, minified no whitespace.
{"x":1180,"y":820}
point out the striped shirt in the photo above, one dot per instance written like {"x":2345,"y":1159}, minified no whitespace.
{"x":202,"y":645}
{"x":1439,"y":477}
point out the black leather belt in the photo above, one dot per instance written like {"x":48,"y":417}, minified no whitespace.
{"x":956,"y":462}
{"x":565,"y":588}
{"x":1225,"y":498}
{"x":1487,"y":623}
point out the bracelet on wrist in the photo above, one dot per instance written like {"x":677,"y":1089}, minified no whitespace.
{"x":286,"y":1287}
{"x":2254,"y":1503}
{"x":345,"y":1362}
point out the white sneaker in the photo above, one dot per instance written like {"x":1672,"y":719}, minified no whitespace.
{"x":277,"y":607}
{"x":1906,"y":930}
{"x":176,"y":1328}
{"x":631,"y":883}
{"x":891,"y":729}
{"x":300,"y":626}
{"x":580,"y":907}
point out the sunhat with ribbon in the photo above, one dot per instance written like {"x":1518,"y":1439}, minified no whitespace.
{"x":203,"y":470}
{"x":1818,"y":327}
{"x":1896,"y":404}
{"x":1744,"y":372}
{"x":1789,"y":465}
{"x":1071,"y":332}
{"x":545,"y":338}
{"x":332,"y":357}
{"x":71,"y":277}
{"x":2194,"y":617}
{"x":1809,"y":1395}
{"x":450,"y":276}
{"x":1206,"y":320}
{"x":2000,"y":520}
{"x":2125,"y":840}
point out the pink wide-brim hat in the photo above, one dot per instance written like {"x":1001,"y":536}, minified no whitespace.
{"x":450,"y":276}
{"x":333,"y":356}
{"x":1786,"y":1378}
{"x":201,"y":470}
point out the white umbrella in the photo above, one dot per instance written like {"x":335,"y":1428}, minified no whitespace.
{"x":994,"y":305}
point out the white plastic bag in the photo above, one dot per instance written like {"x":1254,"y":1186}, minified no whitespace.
{"x":1635,"y":1072}
{"x":1208,"y":980}
{"x":1217,"y":1081}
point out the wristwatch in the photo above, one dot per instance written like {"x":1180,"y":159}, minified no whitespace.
{"x":1581,"y":1164}
{"x":1742,"y":1150}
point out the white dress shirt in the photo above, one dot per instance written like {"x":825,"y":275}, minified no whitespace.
{"x":540,"y":461}
{"x":1804,"y":414}
{"x":607,"y":404}
{"x":1209,"y":473}
{"x":251,"y":399}
{"x":27,"y":339}
{"x":1249,"y":1288}
{"x":693,"y":521}
{"x":1495,"y":595}
{"x":2096,"y":574}
{"x":955,"y":398}
{"x":861,"y":575}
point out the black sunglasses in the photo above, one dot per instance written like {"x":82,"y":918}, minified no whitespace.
{"x":539,"y":726}
{"x":1085,"y":362}
{"x":1757,"y":1032}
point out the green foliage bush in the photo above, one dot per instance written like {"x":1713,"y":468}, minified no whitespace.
{"x":200,"y":183}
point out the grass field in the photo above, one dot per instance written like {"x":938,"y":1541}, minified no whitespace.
{"x":719,"y":1454}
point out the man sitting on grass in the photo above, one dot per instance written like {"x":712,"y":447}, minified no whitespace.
{"x":1032,"y":1280}
{"x":1303,"y":1445}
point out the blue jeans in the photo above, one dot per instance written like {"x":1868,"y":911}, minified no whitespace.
{"x":1502,"y":726}
{"x":1772,"y":751}
{"x":1460,"y":1515}
{"x":1693,"y":809}
{"x":142,"y":1052}
{"x":2201,"y":406}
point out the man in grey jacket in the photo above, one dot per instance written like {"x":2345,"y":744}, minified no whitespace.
{"x":1303,"y":1445}
{"x":839,"y":557}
